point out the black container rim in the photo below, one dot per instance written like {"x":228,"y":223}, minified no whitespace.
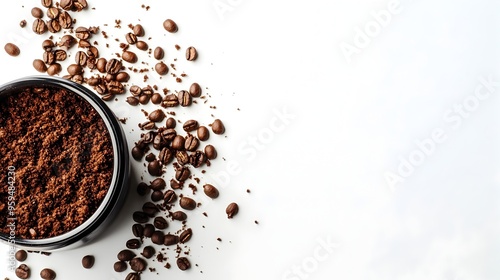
{"x":118,"y":188}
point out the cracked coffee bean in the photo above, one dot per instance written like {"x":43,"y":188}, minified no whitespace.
{"x":191,"y":54}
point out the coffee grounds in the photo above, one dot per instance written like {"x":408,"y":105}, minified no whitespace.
{"x":63,"y":159}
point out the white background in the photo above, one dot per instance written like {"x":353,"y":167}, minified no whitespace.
{"x":319,"y":175}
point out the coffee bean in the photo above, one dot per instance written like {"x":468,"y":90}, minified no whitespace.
{"x":60,"y":55}
{"x":133,"y":276}
{"x":125,"y":255}
{"x":133,"y":101}
{"x":186,"y":235}
{"x":47,"y":3}
{"x":158,"y":184}
{"x":137,"y":153}
{"x":160,"y":223}
{"x":88,"y":261}
{"x":47,"y":274}
{"x":120,"y":266}
{"x":203,"y":133}
{"x":190,"y":125}
{"x":169,"y":197}
{"x":47,"y":45}
{"x":66,"y":4}
{"x":170,"y":26}
{"x":138,"y":264}
{"x":182,"y":157}
{"x":78,"y":78}
{"x":74,"y":69}
{"x":49,"y":58}
{"x":81,"y":58}
{"x":165,"y":156}
{"x":65,"y":20}
{"x":82,"y":33}
{"x":191,"y":54}
{"x":148,"y":252}
{"x":101,"y":65}
{"x":183,"y":263}
{"x":36,"y":12}
{"x":157,"y":115}
{"x":150,"y":209}
{"x":129,"y":57}
{"x":80,"y":4}
{"x":133,"y":243}
{"x":67,"y":41}
{"x":113,"y":66}
{"x":39,"y":65}
{"x":197,"y":159}
{"x":53,"y":26}
{"x":210,"y":191}
{"x":141,"y":45}
{"x":159,"y":53}
{"x":158,"y":237}
{"x":23,"y":271}
{"x":122,"y":77}
{"x":39,"y":26}
{"x":156,"y":98}
{"x":21,"y":255}
{"x":170,"y":239}
{"x":156,"y":196}
{"x":138,"y":30}
{"x":150,"y":157}
{"x":140,"y":217}
{"x":187,"y":203}
{"x":170,"y":100}
{"x":191,"y":143}
{"x":179,"y":216}
{"x":218,"y":127}
{"x":178,"y":142}
{"x":149,"y":229}
{"x":155,"y":168}
{"x":231,"y":210}
{"x":12,"y":49}
{"x":131,"y":38}
{"x":54,"y":69}
{"x":159,"y":142}
{"x":147,"y":90}
{"x":175,"y":185}
{"x":138,"y":230}
{"x":195,"y":90}
{"x":171,"y":123}
{"x":53,"y":13}
{"x":184,"y":98}
{"x":161,"y":68}
{"x":182,"y":174}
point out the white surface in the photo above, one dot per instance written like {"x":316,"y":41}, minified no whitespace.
{"x":321,"y":176}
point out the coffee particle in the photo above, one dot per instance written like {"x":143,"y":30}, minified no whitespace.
{"x":125,"y":255}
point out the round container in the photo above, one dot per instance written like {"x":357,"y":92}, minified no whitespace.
{"x":117,"y":191}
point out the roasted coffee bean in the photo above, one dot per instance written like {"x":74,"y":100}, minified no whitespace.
{"x":191,"y":54}
{"x":142,"y":188}
{"x":47,"y":45}
{"x":80,"y":5}
{"x":183,"y":263}
{"x":81,"y":58}
{"x":150,"y":157}
{"x":160,"y":223}
{"x":141,"y":45}
{"x":197,"y":159}
{"x":182,"y":157}
{"x":195,"y":90}
{"x":158,"y":53}
{"x":93,"y":81}
{"x":155,"y":168}
{"x":135,"y":90}
{"x":231,"y":210}
{"x":23,"y":271}
{"x":47,"y":274}
{"x":156,"y":196}
{"x":54,"y":69}
{"x":47,"y":3}
{"x":53,"y":26}
{"x":191,"y":143}
{"x":187,"y":203}
{"x":218,"y":127}
{"x":131,"y":38}
{"x":210,"y":191}
{"x":179,"y":216}
{"x":158,"y":237}
{"x":21,"y":255}
{"x":101,"y":65}
{"x":161,"y":68}
{"x":178,"y":142}
{"x":137,"y":153}
{"x":11,"y":49}
{"x":129,"y":57}
{"x":165,"y":156}
{"x":149,"y":229}
{"x":157,"y":115}
{"x":140,"y":217}
{"x":53,"y":13}
{"x":182,"y":174}
{"x":156,"y":98}
{"x":170,"y":26}
{"x":88,"y":261}
{"x":122,"y":77}
{"x":105,"y":97}
{"x":39,"y":65}
{"x":133,"y":101}
{"x":133,"y":276}
{"x":150,"y":209}
{"x":120,"y":266}
{"x":78,"y":78}
{"x":148,"y":252}
{"x":113,"y":66}
{"x":67,"y":41}
{"x":147,"y":90}
{"x":138,"y":30}
{"x":148,"y":137}
{"x":49,"y":57}
{"x":169,"y":197}
{"x":171,"y":123}
{"x":39,"y":26}
{"x":170,"y":100}
{"x":60,"y":55}
{"x":115,"y":87}
{"x":175,"y":185}
{"x":184,"y":98}
{"x":133,"y":243}
{"x":74,"y":69}
{"x":138,"y":230}
{"x":125,"y":255}
{"x":82,"y":33}
{"x":190,"y":125}
{"x":65,"y":20}
{"x":109,"y":77}
{"x":186,"y":235}
{"x":158,"y":184}
{"x":36,"y":12}
{"x":84,"y":44}
{"x":66,"y":4}
{"x":138,"y":264}
{"x":170,"y":239}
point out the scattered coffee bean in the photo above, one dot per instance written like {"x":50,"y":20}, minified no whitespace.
{"x":231,"y":210}
{"x":170,"y":240}
{"x":158,"y":53}
{"x":218,"y":127}
{"x":179,"y":216}
{"x":191,"y":143}
{"x":120,"y":266}
{"x":170,"y":100}
{"x":129,"y":57}
{"x":39,"y":26}
{"x":210,"y":152}
{"x":133,"y":243}
{"x":158,"y":184}
{"x":178,"y":142}
{"x":101,"y":65}
{"x":138,"y":30}
{"x":125,"y":255}
{"x":148,"y":252}
{"x":190,"y":125}
{"x":203,"y":133}
{"x":36,"y":12}
{"x":39,"y":65}
{"x":210,"y":191}
{"x":195,"y":90}
{"x":65,"y":20}
{"x":191,"y":54}
{"x":149,"y":229}
{"x":67,"y":41}
{"x":60,"y":55}
{"x":138,"y":230}
{"x":141,"y":45}
{"x":133,"y":276}
{"x":157,"y":115}
{"x":183,"y":263}
{"x":122,"y":77}
{"x":182,"y":174}
{"x":53,"y":13}
{"x":138,"y":264}
{"x":54,"y":69}
{"x":169,"y":197}
{"x":66,"y":4}
{"x":11,"y":49}
{"x":113,"y":66}
{"x":47,"y":45}
{"x":186,"y":235}
{"x":21,"y":255}
{"x":187,"y":203}
{"x":47,"y":3}
{"x":88,"y":261}
{"x":161,"y":68}
{"x":165,"y":156}
{"x":171,"y":123}
{"x":74,"y":69}
{"x":182,"y":157}
{"x":155,"y":168}
{"x":158,"y":237}
{"x":156,"y":196}
{"x":47,"y":274}
{"x":140,"y":217}
{"x":23,"y":271}
{"x":133,"y":101}
{"x":160,"y":223}
{"x":184,"y":98}
{"x":82,"y":33}
{"x":170,"y":26}
{"x":150,"y":209}
{"x":131,"y":38}
{"x":197,"y":159}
